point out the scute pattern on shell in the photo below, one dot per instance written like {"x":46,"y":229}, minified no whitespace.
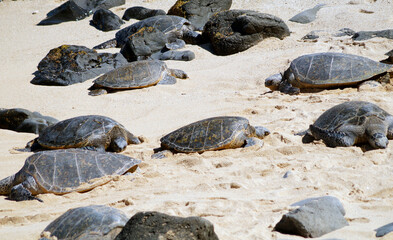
{"x":134,"y":75}
{"x":91,"y":222}
{"x":65,"y":170}
{"x":74,"y":132}
{"x":354,"y":113}
{"x":334,"y":69}
{"x":208,"y":134}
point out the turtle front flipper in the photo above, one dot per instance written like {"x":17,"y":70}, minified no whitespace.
{"x":167,"y":80}
{"x":332,"y":138}
{"x":25,"y":190}
{"x":286,"y":87}
{"x":253,"y":142}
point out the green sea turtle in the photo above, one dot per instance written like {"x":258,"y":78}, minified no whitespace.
{"x":325,"y":70}
{"x":174,"y":28}
{"x":351,"y":123}
{"x":91,"y":132}
{"x":91,"y":222}
{"x":139,"y":74}
{"x":64,"y":171}
{"x":212,"y":134}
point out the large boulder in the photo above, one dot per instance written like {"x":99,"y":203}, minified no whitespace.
{"x":141,"y":13}
{"x":234,"y":31}
{"x":314,"y":218}
{"x":70,"y":64}
{"x":23,"y":120}
{"x":198,"y":12}
{"x":105,"y":20}
{"x":155,"y":226}
{"x":74,"y":10}
{"x":151,"y":43}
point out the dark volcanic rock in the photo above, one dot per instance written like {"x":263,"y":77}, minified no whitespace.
{"x":234,"y":31}
{"x":198,"y":12}
{"x":364,"y":35}
{"x":308,"y":15}
{"x":173,"y":27}
{"x":143,"y":44}
{"x":106,"y":20}
{"x":151,"y":43}
{"x":382,"y":231}
{"x":74,"y":10}
{"x":155,"y":226}
{"x":314,"y":218}
{"x":69,"y":64}
{"x":141,"y":13}
{"x":22,"y":120}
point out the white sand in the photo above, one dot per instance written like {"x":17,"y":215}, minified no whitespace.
{"x":241,"y":191}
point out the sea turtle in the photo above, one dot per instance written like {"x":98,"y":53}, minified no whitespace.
{"x":138,"y":74}
{"x":64,"y":171}
{"x":97,"y":222}
{"x":390,"y":57}
{"x":173,"y":26}
{"x":91,"y":132}
{"x":351,"y":123}
{"x":22,"y":120}
{"x":212,"y":134}
{"x":325,"y":70}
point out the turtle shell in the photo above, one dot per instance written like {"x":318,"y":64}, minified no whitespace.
{"x":80,"y":131}
{"x":209,"y":134}
{"x":164,"y":23}
{"x":91,"y":222}
{"x":68,"y":170}
{"x":137,"y":74}
{"x":322,"y":70}
{"x":349,"y":113}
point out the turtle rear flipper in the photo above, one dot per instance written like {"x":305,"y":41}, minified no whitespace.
{"x":178,"y":73}
{"x":332,"y":138}
{"x":19,"y":193}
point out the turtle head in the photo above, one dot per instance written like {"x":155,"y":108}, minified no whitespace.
{"x":378,"y":140}
{"x":261,"y":132}
{"x":273,"y":82}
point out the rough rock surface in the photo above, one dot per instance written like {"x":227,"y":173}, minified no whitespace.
{"x":234,"y":31}
{"x":141,"y":13}
{"x":74,"y":10}
{"x":198,"y":12}
{"x":22,"y":120}
{"x":70,"y":64}
{"x":155,"y":226}
{"x":314,"y":218}
{"x":105,"y":20}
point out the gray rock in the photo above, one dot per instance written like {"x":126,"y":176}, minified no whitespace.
{"x":74,"y":10}
{"x":22,"y":120}
{"x":198,"y":12}
{"x":70,"y":64}
{"x":365,"y":35}
{"x":235,"y":31}
{"x":382,"y":231}
{"x":105,"y":20}
{"x":141,"y":13}
{"x":314,"y":218}
{"x":308,"y":15}
{"x":151,"y":43}
{"x":155,"y":226}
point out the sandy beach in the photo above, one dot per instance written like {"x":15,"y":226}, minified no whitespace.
{"x":241,"y":191}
